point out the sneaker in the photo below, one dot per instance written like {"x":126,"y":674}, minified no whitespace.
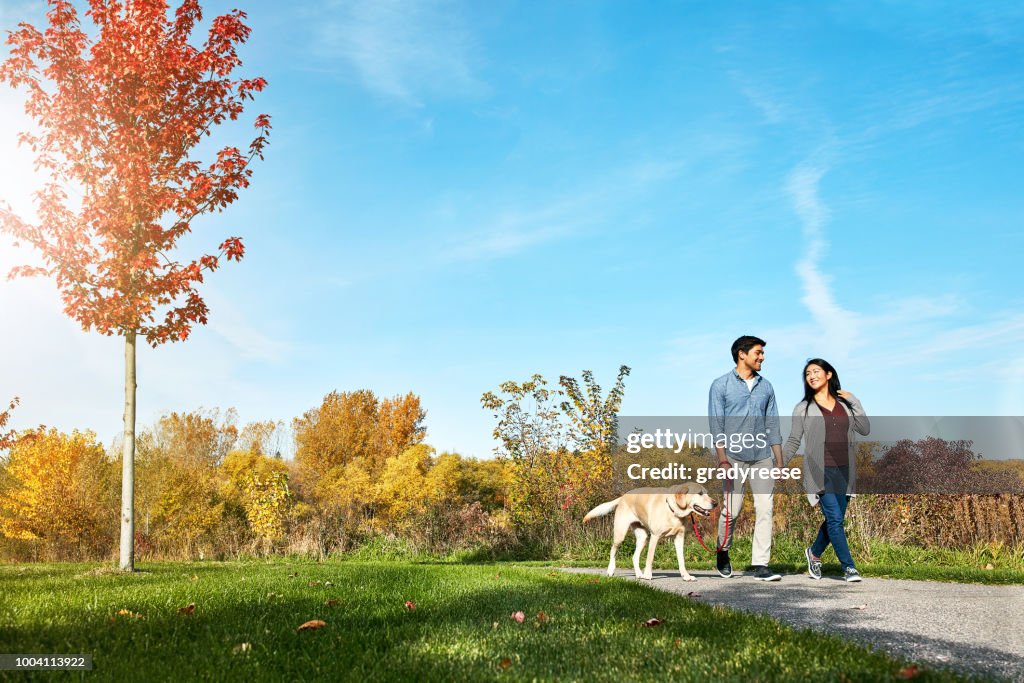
{"x":813,"y":565}
{"x":723,"y":564}
{"x":762,"y":573}
{"x":851,"y":575}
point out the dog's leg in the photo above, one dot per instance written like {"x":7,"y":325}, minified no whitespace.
{"x":682,"y":559}
{"x":641,"y":540}
{"x":649,"y":569}
{"x":622,"y":524}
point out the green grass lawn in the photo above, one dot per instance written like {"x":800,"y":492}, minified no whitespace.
{"x":246,"y":615}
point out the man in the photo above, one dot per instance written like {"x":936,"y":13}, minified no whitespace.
{"x":745,"y":423}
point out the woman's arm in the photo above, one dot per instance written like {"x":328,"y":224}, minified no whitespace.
{"x":861,"y":423}
{"x":796,"y":433}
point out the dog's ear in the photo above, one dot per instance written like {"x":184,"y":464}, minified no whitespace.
{"x":683,"y":498}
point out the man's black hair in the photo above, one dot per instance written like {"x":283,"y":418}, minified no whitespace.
{"x":744,"y":344}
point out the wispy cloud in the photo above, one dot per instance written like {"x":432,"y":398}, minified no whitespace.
{"x":242,"y":335}
{"x":514,"y":231}
{"x":517,"y":229}
{"x":838,"y":326}
{"x":771,"y":107}
{"x":403,"y":51}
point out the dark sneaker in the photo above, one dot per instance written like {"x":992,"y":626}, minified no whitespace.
{"x":851,"y":575}
{"x":723,"y":564}
{"x":762,"y":573}
{"x":813,"y":565}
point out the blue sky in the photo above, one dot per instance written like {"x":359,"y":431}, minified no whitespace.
{"x":460,"y":194}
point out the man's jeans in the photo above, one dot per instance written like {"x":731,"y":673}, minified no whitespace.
{"x":833,"y":501}
{"x":762,"y":490}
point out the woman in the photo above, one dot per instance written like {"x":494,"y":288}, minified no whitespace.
{"x":826,"y":420}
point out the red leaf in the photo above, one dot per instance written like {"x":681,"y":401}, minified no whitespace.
{"x":518,"y":617}
{"x":410,"y":605}
{"x":187,"y":609}
{"x":908,"y":672}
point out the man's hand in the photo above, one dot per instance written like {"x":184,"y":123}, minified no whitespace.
{"x":723,"y":462}
{"x":777,"y":450}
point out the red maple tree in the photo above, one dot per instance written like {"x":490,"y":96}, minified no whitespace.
{"x":120,"y":113}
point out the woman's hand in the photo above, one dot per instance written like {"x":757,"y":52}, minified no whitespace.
{"x":844,"y":394}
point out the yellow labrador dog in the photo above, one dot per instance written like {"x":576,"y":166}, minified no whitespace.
{"x":656,"y":512}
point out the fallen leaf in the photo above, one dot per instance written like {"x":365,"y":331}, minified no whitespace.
{"x":498,"y":576}
{"x":518,"y":617}
{"x":654,"y":621}
{"x":241,"y":648}
{"x":494,"y":626}
{"x":410,"y":605}
{"x":315,"y":583}
{"x":195,"y":578}
{"x":328,"y":583}
{"x":989,"y":566}
{"x":541,"y":617}
{"x":693,"y":594}
{"x":128,"y":614}
{"x":908,"y":672}
{"x":505,"y":663}
{"x":292,"y":576}
{"x":552,"y":573}
{"x":187,"y":609}
{"x":594,"y":580}
{"x":311,"y":625}
{"x":858,"y":606}
{"x":333,"y":602}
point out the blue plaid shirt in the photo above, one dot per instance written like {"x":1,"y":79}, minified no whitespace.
{"x":735,"y":409}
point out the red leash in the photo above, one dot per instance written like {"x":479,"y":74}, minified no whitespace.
{"x":726,"y":490}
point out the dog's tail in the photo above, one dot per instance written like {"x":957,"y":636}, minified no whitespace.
{"x":602,"y":510}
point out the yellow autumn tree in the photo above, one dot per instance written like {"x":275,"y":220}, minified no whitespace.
{"x":60,"y":495}
{"x":350,"y":437}
{"x":178,"y":492}
{"x":267,"y":504}
{"x":402,"y":492}
{"x":255,"y":489}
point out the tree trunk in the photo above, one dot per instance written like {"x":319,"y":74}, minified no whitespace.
{"x":128,"y":458}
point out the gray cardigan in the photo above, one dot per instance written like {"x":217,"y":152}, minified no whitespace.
{"x":811,"y":428}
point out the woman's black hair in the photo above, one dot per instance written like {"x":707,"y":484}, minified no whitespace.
{"x":833,"y":383}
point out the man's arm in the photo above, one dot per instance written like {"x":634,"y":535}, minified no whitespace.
{"x":771,"y":414}
{"x":716,"y":420}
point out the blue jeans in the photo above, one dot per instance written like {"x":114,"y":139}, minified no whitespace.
{"x":833,"y":501}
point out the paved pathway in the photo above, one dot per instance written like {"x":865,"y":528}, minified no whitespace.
{"x":967,"y":627}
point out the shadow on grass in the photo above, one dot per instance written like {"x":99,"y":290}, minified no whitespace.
{"x":574,"y":627}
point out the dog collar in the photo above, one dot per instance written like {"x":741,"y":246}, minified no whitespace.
{"x":675,"y":509}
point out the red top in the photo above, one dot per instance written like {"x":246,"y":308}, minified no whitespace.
{"x":837,"y":428}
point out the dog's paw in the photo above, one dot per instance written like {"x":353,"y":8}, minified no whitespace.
{"x":610,"y":572}
{"x":688,"y":577}
{"x":647,"y":576}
